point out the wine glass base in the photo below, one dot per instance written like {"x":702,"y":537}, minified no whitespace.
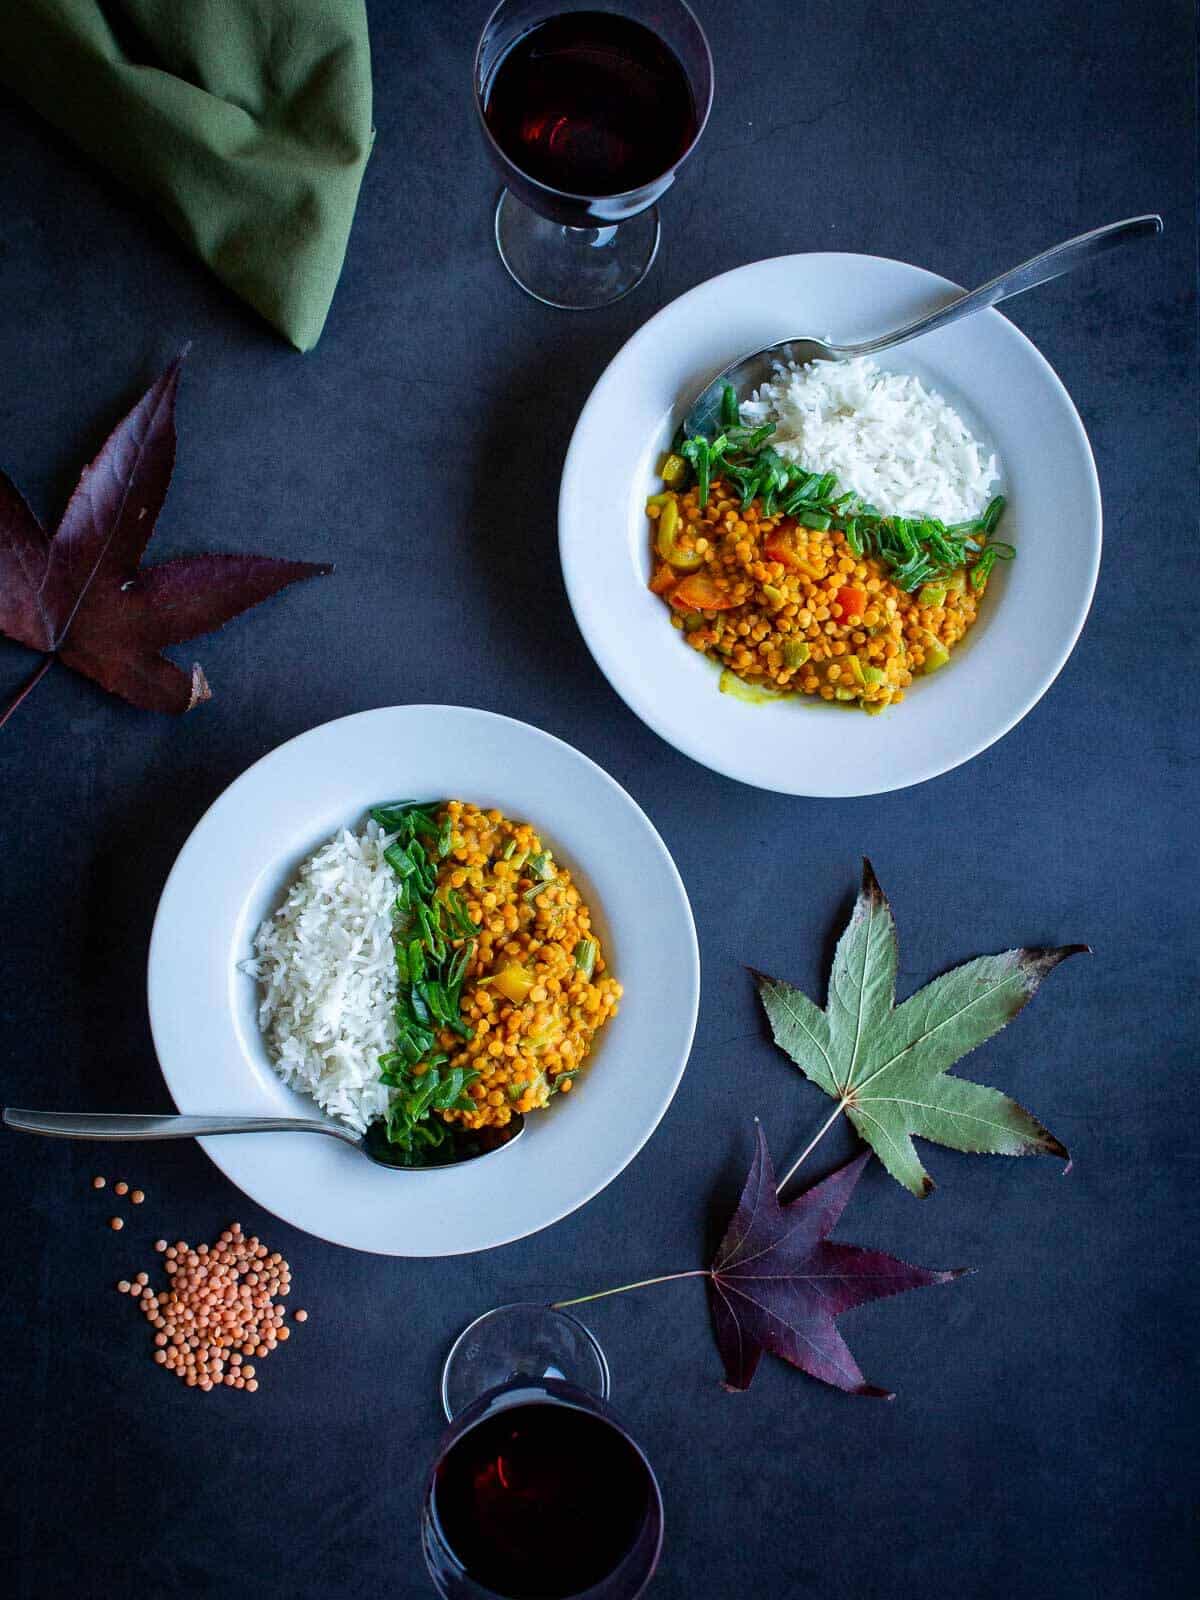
{"x":523,"y":1340}
{"x":574,"y":269}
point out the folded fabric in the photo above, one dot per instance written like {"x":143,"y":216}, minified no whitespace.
{"x":247,"y":123}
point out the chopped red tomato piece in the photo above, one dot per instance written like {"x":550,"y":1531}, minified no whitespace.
{"x":853,"y":602}
{"x":780,"y":545}
{"x":700,"y":593}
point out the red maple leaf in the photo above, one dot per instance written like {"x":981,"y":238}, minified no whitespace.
{"x":778,"y":1281}
{"x":81,"y":595}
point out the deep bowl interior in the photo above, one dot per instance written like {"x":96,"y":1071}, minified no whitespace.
{"x":232,"y":872}
{"x":1035,"y":606}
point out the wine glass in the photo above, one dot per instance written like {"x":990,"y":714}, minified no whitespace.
{"x":588,"y":109}
{"x":537,"y":1489}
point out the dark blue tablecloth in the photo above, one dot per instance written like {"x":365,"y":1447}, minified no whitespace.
{"x":1043,"y":1441}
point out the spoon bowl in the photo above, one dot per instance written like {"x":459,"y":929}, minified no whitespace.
{"x":750,"y":372}
{"x":469,"y":1145}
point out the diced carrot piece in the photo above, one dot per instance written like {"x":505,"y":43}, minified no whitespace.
{"x":699,"y":593}
{"x":780,"y":545}
{"x":853,"y":602}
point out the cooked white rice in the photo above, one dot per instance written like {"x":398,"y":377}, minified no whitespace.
{"x":900,"y":447}
{"x":327,"y":967}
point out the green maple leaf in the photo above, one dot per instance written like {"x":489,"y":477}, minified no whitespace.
{"x":887,"y":1066}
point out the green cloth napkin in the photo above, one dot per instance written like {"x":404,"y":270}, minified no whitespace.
{"x":246,"y":122}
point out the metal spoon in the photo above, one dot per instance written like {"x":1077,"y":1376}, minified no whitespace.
{"x":465,"y":1146}
{"x":749,"y":372}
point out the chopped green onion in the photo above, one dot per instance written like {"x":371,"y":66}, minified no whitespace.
{"x":396,"y":856}
{"x":460,"y":963}
{"x":585,"y":957}
{"x":981,"y":569}
{"x":541,"y":866}
{"x":914,"y":550}
{"x":993,"y":513}
{"x":429,"y":976}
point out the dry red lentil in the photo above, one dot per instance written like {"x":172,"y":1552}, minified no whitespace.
{"x":217,"y":1307}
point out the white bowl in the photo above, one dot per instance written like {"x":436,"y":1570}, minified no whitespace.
{"x":232,"y":872}
{"x":1035,"y":606}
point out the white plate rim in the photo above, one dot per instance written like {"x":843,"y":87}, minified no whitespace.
{"x":572,"y":543}
{"x":219,"y":1149}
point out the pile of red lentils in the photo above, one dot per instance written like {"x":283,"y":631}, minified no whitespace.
{"x":216,"y":1314}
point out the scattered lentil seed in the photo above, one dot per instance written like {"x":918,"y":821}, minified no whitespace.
{"x":115,"y":1224}
{"x":301,"y":1316}
{"x":124,"y":1286}
{"x":98,"y":1183}
{"x":217,"y":1307}
{"x":121,"y":1188}
{"x":137,"y":1196}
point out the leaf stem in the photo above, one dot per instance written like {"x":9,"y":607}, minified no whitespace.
{"x":643,"y":1283}
{"x":811,"y":1145}
{"x":32,"y":684}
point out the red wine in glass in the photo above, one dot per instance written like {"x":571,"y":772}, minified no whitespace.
{"x":539,"y":1493}
{"x":592,"y":103}
{"x":588,"y":114}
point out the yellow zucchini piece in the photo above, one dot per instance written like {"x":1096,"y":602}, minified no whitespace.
{"x":739,"y":689}
{"x":936,"y":654}
{"x":514,"y":983}
{"x":664,"y":541}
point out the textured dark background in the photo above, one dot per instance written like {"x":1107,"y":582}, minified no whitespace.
{"x":1043,"y":1440}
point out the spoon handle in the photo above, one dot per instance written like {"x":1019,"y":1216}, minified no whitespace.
{"x":1040,"y":269}
{"x":102,"y":1125}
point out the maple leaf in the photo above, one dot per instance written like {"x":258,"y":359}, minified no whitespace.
{"x":887,"y":1066}
{"x":778,"y":1281}
{"x":81,"y":596}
